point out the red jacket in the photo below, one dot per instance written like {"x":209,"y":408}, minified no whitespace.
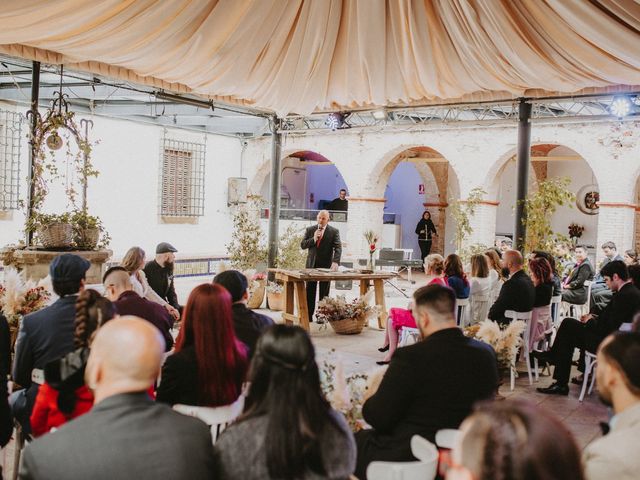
{"x":46,"y":415}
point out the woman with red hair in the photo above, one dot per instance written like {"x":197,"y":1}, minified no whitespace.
{"x":209,"y":364}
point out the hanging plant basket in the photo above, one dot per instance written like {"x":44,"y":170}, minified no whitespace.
{"x":349,"y":326}
{"x":86,"y":238}
{"x":55,"y":235}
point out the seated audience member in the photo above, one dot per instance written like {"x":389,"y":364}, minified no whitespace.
{"x":564,"y":259}
{"x":6,"y":425}
{"x":400,"y":318}
{"x":630,"y":257}
{"x":417,"y":395}
{"x":209,"y":364}
{"x":506,"y":244}
{"x":480,"y":287}
{"x":288,"y":430}
{"x":617,"y":454}
{"x":555,"y":278}
{"x":159,"y":274}
{"x":573,"y":289}
{"x":514,"y":439}
{"x":517,"y":293}
{"x":64,"y":394}
{"x":455,"y":276}
{"x":133,"y":263}
{"x":247,"y":324}
{"x":118,"y":289}
{"x":590,"y":330}
{"x":600,"y":294}
{"x":126,"y":434}
{"x":634,"y":275}
{"x":47,"y":334}
{"x":541,"y":314}
{"x":495,"y":273}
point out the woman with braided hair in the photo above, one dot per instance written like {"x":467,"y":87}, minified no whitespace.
{"x":512,"y":440}
{"x":64,"y":395}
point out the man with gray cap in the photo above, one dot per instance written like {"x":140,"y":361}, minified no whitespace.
{"x":159,"y":274}
{"x":47,"y":334}
{"x":247,"y":324}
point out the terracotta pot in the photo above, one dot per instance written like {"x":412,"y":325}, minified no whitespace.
{"x":275,"y":301}
{"x":257,"y":296}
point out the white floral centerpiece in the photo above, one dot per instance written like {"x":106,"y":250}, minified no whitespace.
{"x":505,"y":341}
{"x":346,"y":317}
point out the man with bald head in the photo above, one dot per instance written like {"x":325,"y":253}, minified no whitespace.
{"x":126,"y":434}
{"x":517,"y":293}
{"x":118,"y":289}
{"x":325,"y":250}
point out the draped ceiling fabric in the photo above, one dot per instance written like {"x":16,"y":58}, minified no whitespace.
{"x":300,"y":56}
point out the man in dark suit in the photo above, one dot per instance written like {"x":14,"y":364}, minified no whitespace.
{"x":590,"y":330}
{"x":517,"y":293}
{"x":573,"y":289}
{"x":429,"y":386}
{"x":600,"y":294}
{"x":159,"y":272}
{"x":125,"y":435}
{"x":47,"y":334}
{"x":118,"y":289}
{"x":248,"y":324}
{"x":325,"y":249}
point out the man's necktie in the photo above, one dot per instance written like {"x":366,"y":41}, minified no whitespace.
{"x":319,"y":239}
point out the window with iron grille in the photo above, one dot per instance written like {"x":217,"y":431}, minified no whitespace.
{"x":10,"y":132}
{"x":182,"y":179}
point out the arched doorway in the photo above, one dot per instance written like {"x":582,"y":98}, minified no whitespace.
{"x":414,"y":180}
{"x":549,"y":161}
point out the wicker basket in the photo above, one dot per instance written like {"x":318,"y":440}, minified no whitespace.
{"x":275,"y":301}
{"x":86,"y":238}
{"x":56,"y":235}
{"x":257,"y":296}
{"x":349,"y":326}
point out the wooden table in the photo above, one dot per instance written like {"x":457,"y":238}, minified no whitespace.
{"x":293,"y":281}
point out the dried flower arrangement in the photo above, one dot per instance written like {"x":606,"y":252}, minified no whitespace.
{"x":335,"y":309}
{"x":504,"y":340}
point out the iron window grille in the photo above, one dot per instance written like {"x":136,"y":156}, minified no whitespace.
{"x":10,"y":134}
{"x":182,"y":178}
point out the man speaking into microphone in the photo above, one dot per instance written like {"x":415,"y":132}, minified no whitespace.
{"x":325,"y":249}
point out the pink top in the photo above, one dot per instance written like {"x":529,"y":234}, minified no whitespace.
{"x":439,"y":281}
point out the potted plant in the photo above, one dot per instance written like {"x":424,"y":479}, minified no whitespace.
{"x":256,"y":289}
{"x":53,"y":230}
{"x":247,"y":249}
{"x":87,"y":229}
{"x":274,"y":296}
{"x":346,"y":318}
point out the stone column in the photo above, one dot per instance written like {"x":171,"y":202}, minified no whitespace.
{"x":364,"y":214}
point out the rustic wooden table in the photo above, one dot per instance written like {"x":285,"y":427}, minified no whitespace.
{"x":293,"y":281}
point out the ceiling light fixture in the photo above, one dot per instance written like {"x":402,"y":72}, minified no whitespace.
{"x":620,"y":106}
{"x":194,"y":102}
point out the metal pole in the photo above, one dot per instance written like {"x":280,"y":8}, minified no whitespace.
{"x":274,"y":201}
{"x":522,"y":170}
{"x":35,"y":94}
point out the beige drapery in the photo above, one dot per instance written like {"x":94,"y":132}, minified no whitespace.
{"x":299,"y":56}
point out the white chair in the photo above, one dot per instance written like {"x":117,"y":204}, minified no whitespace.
{"x":479,"y":309}
{"x":555,"y":310}
{"x":447,"y":438}
{"x":424,"y":469}
{"x":408,"y":336}
{"x":462,"y":308}
{"x":218,"y":418}
{"x":576,"y":311}
{"x":526,"y":317}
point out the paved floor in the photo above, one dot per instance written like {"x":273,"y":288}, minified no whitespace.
{"x":358,"y":353}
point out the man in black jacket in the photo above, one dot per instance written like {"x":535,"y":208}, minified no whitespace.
{"x":325,"y":249}
{"x":159,"y":274}
{"x":590,"y":330}
{"x":517,"y":293}
{"x":247,"y":324}
{"x":429,"y":386}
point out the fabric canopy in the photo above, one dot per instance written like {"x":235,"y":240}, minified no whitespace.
{"x":300,"y":56}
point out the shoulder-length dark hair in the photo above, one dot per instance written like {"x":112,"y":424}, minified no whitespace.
{"x":426,"y":212}
{"x":220,"y":356}
{"x":453,"y":266}
{"x":540,"y":268}
{"x":517,"y":439}
{"x":285,"y":386}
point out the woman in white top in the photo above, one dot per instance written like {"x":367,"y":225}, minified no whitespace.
{"x":495,"y":273}
{"x":480,"y":296}
{"x":133,"y":262}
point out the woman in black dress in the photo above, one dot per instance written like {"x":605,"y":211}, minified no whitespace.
{"x":425,"y":229}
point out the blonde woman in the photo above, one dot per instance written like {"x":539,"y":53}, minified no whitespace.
{"x":401,"y":317}
{"x":133,"y":263}
{"x":480,"y":287}
{"x":495,"y":272}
